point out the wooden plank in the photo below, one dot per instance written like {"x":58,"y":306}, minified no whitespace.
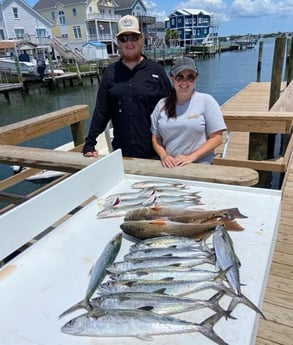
{"x":197,"y":172}
{"x":277,"y":165}
{"x":43,"y":158}
{"x":28,"y":129}
{"x":73,"y":161}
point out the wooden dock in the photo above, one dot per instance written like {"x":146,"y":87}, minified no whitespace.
{"x":277,"y":329}
{"x":278,"y":300}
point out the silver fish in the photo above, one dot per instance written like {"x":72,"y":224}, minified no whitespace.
{"x":167,"y":287}
{"x":167,"y":242}
{"x":121,"y":266}
{"x":158,"y":184}
{"x":168,"y":252}
{"x":130,"y":195}
{"x":162,"y":273}
{"x":98,"y":272}
{"x":226,"y":257}
{"x":139,"y":324}
{"x":158,"y":303}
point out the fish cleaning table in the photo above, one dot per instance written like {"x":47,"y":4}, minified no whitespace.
{"x":51,"y":275}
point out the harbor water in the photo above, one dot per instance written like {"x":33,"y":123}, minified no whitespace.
{"x":221,"y":76}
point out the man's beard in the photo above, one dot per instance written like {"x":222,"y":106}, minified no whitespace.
{"x":131,"y":57}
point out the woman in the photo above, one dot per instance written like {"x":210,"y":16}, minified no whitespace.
{"x":187,"y":125}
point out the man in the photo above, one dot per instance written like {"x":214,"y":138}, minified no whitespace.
{"x":129,"y":90}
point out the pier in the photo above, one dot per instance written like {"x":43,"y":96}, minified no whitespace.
{"x":277,"y":306}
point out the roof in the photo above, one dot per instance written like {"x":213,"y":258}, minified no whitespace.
{"x":9,"y":44}
{"x":44,"y":4}
{"x":123,"y":4}
{"x":192,"y":11}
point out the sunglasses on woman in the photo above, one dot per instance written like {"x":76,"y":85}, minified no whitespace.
{"x":180,"y":77}
{"x":128,"y":37}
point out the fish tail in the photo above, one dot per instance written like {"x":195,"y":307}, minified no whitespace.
{"x":84,"y":304}
{"x":208,"y":330}
{"x":236,"y":299}
{"x":235,"y":213}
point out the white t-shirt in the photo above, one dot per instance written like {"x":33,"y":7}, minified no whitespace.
{"x":195,"y":120}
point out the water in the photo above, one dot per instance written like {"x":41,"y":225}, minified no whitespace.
{"x":222,"y":76}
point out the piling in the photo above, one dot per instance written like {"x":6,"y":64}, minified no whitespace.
{"x":260,"y":51}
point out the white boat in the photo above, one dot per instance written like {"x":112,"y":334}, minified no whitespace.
{"x":10,"y":66}
{"x":45,"y":176}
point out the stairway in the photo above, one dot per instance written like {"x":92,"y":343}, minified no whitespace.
{"x":65,"y":51}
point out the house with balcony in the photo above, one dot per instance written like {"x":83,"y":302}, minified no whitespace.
{"x":19,"y":21}
{"x":101,"y":23}
{"x":194,"y":26}
{"x":68,"y":19}
{"x":138,"y":9}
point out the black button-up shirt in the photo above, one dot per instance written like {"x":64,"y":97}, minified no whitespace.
{"x":128,"y":97}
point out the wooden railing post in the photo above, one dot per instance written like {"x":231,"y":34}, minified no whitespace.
{"x":78,"y":132}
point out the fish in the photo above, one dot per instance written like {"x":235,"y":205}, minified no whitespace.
{"x":149,"y":213}
{"x":139,"y":324}
{"x":162,"y":273}
{"x":120,"y":210}
{"x":226,"y":257}
{"x":130,"y":195}
{"x":168,"y":252}
{"x":164,"y":286}
{"x":143,"y":229}
{"x":158,"y":184}
{"x":158,"y":303}
{"x":120,"y":266}
{"x":98,"y":272}
{"x":139,"y":201}
{"x":168,"y":241}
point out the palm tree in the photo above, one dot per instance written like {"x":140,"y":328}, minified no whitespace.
{"x":171,"y":35}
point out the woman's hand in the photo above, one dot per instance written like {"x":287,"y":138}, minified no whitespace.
{"x":182,"y":160}
{"x":168,"y":161}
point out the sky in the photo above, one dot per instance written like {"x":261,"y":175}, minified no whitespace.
{"x":235,"y":17}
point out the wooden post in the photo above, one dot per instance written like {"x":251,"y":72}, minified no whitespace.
{"x":261,"y":146}
{"x":78,"y":132}
{"x":78,"y":73}
{"x":52,"y":70}
{"x":260,"y":51}
{"x":290,"y":64}
{"x":276,"y":81}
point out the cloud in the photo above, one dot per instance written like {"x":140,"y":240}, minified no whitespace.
{"x":261,"y":8}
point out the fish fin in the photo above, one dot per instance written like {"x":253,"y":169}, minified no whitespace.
{"x":80,"y":305}
{"x":231,"y":225}
{"x":161,"y":291}
{"x":206,"y":328}
{"x":235,"y":213}
{"x":144,"y":337}
{"x":158,"y":222}
{"x":167,"y":279}
{"x":146,"y":308}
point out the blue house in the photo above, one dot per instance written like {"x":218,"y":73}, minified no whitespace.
{"x":193,"y":26}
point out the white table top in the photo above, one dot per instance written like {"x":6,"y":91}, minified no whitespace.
{"x":52,"y":275}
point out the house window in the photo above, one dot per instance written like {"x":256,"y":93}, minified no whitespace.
{"x":19,"y":33}
{"x":77,"y":31}
{"x":41,"y":32}
{"x":74,"y":12}
{"x":15,"y":12}
{"x":90,"y":9}
{"x":61,"y":17}
{"x":53,"y":15}
{"x":2,"y":37}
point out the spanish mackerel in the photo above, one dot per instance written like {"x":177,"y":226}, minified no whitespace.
{"x":158,"y":303}
{"x":139,"y":324}
{"x":98,"y":272}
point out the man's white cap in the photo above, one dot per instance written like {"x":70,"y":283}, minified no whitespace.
{"x":128,"y":24}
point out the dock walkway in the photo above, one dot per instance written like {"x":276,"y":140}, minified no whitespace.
{"x":278,"y":300}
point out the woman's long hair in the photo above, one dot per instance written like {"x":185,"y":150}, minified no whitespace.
{"x":170,"y":104}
